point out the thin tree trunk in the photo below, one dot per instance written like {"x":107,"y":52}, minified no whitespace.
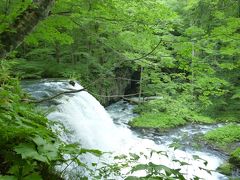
{"x":14,"y":35}
{"x":72,"y":55}
{"x":7,"y":7}
{"x":57,"y":52}
{"x":192,"y":67}
{"x":239,"y":8}
{"x":140,"y":84}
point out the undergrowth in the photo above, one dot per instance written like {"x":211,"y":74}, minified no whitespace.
{"x":168,"y":113}
{"x":224,"y":136}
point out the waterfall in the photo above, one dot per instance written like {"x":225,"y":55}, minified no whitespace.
{"x":91,"y":125}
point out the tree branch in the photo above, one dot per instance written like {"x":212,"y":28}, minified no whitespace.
{"x":145,"y":55}
{"x":76,"y":91}
{"x":52,"y":97}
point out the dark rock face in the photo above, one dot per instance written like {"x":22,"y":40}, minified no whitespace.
{"x":123,"y":83}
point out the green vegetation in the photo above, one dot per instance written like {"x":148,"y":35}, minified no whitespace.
{"x":226,"y":138}
{"x":29,"y":149}
{"x":235,"y":157}
{"x":160,"y":121}
{"x":43,"y":69}
{"x":198,"y":73}
{"x":222,"y":137}
{"x":233,"y":162}
{"x":226,"y":169}
{"x":185,"y":51}
{"x":167,"y":113}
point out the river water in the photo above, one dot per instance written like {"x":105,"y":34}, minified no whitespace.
{"x":95,"y":127}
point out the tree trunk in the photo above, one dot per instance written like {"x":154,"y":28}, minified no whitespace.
{"x":14,"y":35}
{"x":239,"y":8}
{"x":57,"y":52}
{"x":192,"y":68}
{"x":72,"y":54}
{"x":140,"y":85}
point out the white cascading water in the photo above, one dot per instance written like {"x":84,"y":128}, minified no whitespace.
{"x":92,"y":126}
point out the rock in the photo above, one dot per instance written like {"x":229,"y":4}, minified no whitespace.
{"x":72,"y":83}
{"x":235,"y":158}
{"x":137,"y":100}
{"x":116,"y":88}
{"x":226,"y":169}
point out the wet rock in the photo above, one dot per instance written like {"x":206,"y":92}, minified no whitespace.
{"x":226,"y":169}
{"x":235,"y":158}
{"x":72,"y":83}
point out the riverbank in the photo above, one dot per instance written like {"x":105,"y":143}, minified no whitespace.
{"x":161,"y":116}
{"x":186,"y":138}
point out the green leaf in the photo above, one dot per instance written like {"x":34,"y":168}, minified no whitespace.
{"x":140,"y":167}
{"x":134,"y":156}
{"x":132,"y":178}
{"x":8,"y":177}
{"x":39,"y":140}
{"x":33,"y":176}
{"x":28,"y":151}
{"x":49,"y":150}
{"x":92,"y":151}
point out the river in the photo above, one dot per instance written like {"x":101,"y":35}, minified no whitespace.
{"x":95,"y":127}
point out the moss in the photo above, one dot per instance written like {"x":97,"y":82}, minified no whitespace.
{"x":157,"y":120}
{"x":223,"y":136}
{"x":226,"y":169}
{"x":197,"y":118}
{"x":235,"y":158}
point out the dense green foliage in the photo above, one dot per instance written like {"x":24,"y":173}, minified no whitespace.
{"x":185,"y":51}
{"x":168,"y":113}
{"x":28,"y":147}
{"x":195,"y":57}
{"x":160,"y":121}
{"x":224,"y":136}
{"x":201,"y":73}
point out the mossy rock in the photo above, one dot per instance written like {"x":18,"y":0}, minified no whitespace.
{"x":226,"y":169}
{"x":224,"y":136}
{"x":235,"y":158}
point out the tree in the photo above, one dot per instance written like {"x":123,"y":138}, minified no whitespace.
{"x":13,"y":35}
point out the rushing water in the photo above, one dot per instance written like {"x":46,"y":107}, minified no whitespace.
{"x":108,"y":130}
